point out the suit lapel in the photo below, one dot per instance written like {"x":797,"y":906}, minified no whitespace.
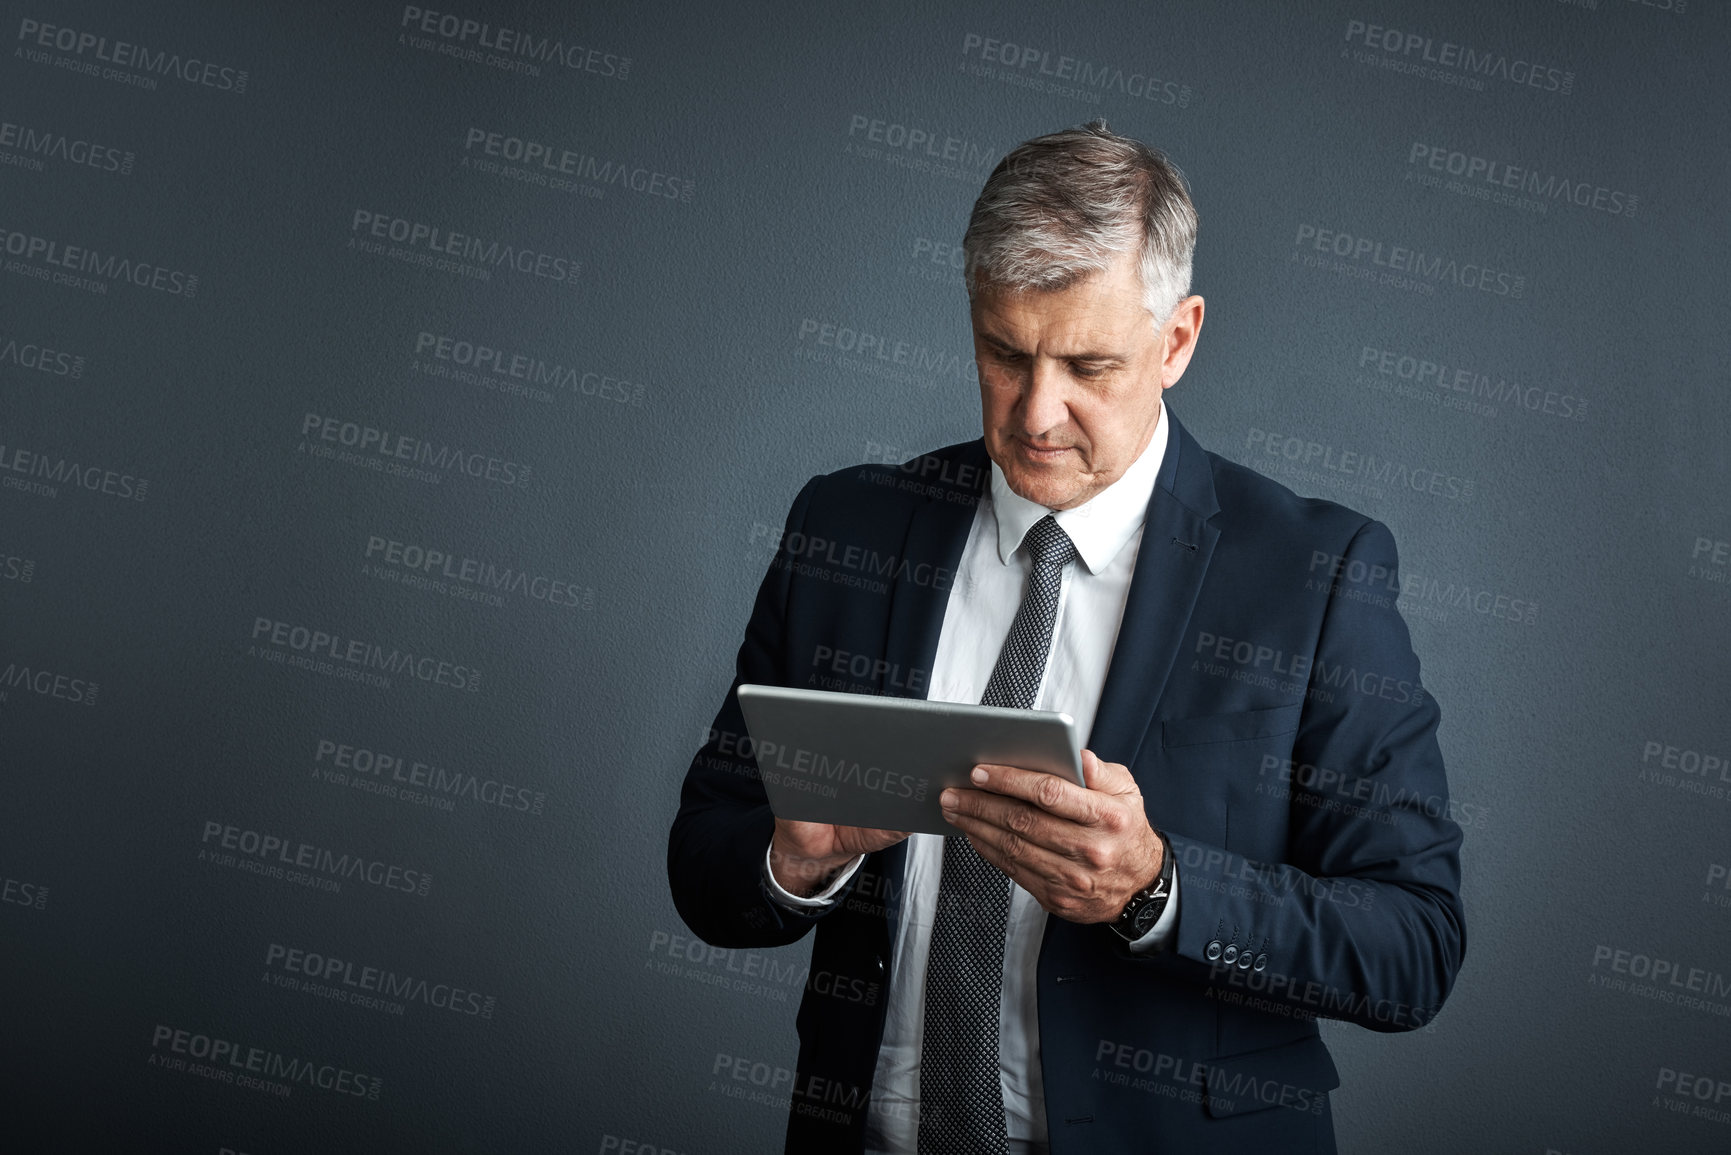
{"x":1171,"y":563}
{"x":932,"y":549}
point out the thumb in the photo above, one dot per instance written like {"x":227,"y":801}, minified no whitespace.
{"x":1108,"y":777}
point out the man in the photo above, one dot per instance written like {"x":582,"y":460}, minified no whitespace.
{"x":1264,"y":836}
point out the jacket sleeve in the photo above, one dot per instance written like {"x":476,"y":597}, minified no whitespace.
{"x":716,"y":846}
{"x":1363,"y":921}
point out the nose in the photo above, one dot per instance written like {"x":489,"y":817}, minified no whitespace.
{"x":1044,"y":405}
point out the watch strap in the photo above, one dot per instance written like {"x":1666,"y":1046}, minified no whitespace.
{"x":1150,"y":898}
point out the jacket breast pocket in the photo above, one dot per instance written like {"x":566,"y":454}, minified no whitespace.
{"x":1239,"y":726}
{"x":1221,"y":781}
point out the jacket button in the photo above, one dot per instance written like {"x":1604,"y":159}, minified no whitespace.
{"x":1261,"y":963}
{"x":1230,"y":955}
{"x":880,"y":964}
{"x":1213,"y":951}
{"x":1244,"y":961}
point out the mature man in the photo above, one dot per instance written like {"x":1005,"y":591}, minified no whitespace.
{"x":1264,"y":835}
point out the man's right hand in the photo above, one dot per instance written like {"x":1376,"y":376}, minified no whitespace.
{"x":805,"y":856}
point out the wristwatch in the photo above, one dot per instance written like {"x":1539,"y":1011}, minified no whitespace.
{"x":1146,"y":905}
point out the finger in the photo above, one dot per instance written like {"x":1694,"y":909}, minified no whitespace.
{"x":1047,"y":791}
{"x":1024,"y":862}
{"x":865,"y":839}
{"x":871,"y":833}
{"x":1023,"y":819}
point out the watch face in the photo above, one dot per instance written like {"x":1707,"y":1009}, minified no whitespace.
{"x":1146,"y":918}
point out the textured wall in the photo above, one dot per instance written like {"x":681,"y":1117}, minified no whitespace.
{"x":393,"y":409}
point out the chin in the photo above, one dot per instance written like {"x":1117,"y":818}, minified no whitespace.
{"x":1047,"y":490}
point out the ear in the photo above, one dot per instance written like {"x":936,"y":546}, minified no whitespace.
{"x":1178,"y":337}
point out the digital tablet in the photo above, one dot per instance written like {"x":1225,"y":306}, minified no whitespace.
{"x":864,"y":760}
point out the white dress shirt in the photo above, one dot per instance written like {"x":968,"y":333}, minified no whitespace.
{"x":988,"y":588}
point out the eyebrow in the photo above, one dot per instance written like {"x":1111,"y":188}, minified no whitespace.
{"x":1089,"y":358}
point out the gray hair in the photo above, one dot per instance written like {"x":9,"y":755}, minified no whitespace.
{"x":1059,"y":208}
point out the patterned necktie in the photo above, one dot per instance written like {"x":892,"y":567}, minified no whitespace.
{"x":961,"y":1102}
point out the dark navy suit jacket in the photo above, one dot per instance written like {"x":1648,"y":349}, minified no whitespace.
{"x":1263,"y":691}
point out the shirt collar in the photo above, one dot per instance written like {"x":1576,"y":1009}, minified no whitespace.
{"x":1100,"y":526}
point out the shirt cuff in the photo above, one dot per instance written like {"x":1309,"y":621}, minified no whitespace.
{"x":1161,"y":931}
{"x":819,"y":901}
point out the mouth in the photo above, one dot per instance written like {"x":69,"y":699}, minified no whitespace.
{"x":1042,"y":456}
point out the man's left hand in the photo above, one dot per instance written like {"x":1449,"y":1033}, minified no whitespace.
{"x":1082,"y":852}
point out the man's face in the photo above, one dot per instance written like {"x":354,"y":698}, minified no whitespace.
{"x":1070,"y":380}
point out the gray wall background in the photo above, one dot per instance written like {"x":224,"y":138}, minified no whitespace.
{"x":166,"y":526}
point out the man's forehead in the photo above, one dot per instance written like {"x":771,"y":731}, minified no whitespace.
{"x":1062,"y":322}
